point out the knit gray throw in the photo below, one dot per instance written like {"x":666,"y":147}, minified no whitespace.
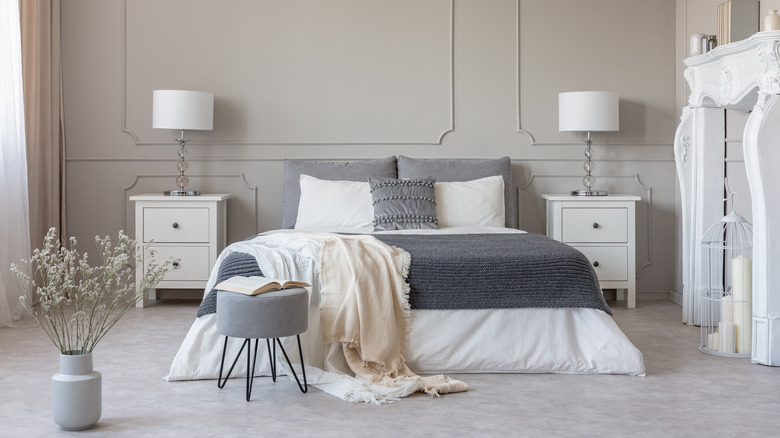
{"x":236,"y":263}
{"x":496,"y":271}
{"x":476,"y":271}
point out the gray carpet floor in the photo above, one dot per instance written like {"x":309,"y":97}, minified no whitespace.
{"x":686,"y":393}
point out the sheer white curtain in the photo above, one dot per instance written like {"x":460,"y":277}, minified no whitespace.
{"x":14,"y":222}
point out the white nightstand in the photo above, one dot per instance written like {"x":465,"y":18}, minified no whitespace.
{"x":188,"y":229}
{"x":602,"y":228}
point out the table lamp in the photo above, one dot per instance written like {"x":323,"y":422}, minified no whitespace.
{"x":588,"y":111}
{"x":180,"y":110}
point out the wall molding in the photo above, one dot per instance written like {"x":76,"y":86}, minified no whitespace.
{"x":253,"y":189}
{"x":534,"y":142}
{"x":438,"y":140}
{"x":520,"y":129}
{"x":257,"y":159}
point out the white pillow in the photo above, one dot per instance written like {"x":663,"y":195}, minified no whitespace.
{"x":471,"y":203}
{"x":334,"y":204}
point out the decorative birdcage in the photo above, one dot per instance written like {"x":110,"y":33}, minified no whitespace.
{"x":727,"y":287}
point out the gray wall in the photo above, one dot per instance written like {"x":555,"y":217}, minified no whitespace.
{"x":354,"y":79}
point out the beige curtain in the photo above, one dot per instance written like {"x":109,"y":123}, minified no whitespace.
{"x":44,"y":126}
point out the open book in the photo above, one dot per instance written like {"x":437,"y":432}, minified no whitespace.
{"x":256,"y":285}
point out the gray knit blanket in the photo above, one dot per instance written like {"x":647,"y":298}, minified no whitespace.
{"x":476,"y":271}
{"x":235,"y":263}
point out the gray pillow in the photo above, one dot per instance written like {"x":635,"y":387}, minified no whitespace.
{"x":403,"y":204}
{"x":330,"y":170}
{"x":448,"y":170}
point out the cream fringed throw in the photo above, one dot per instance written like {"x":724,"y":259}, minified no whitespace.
{"x":365,"y":308}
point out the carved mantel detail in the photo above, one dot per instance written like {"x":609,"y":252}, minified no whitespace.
{"x":770,"y":66}
{"x":761,"y":102}
{"x":690,"y":77}
{"x":726,"y":82}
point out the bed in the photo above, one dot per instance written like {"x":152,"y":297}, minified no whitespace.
{"x":484,"y":296}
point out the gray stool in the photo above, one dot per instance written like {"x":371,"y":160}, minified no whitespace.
{"x":269,"y":315}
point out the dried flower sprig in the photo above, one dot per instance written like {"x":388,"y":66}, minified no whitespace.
{"x":78,"y":303}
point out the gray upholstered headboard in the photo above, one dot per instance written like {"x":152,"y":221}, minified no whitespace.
{"x":330,"y":170}
{"x":447,"y":170}
{"x":443,"y":170}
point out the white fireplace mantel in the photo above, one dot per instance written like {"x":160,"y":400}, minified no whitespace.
{"x":742,"y":76}
{"x":731,"y":76}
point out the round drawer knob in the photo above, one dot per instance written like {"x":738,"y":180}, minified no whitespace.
{"x":175,"y":264}
{"x":595,"y":224}
{"x":596,"y":264}
{"x":176,"y":225}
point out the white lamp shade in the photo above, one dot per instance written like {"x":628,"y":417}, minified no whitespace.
{"x":183,"y":109}
{"x":588,"y":111}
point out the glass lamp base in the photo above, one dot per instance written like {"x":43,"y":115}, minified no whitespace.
{"x":181,"y":193}
{"x":589,"y":192}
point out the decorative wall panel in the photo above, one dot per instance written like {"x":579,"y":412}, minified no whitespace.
{"x":363,"y":79}
{"x":296,"y":71}
{"x":581,"y":46}
{"x":242,"y":207}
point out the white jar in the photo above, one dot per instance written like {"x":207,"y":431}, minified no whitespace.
{"x":696,"y":44}
{"x":772,"y":20}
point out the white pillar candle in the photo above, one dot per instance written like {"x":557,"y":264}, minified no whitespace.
{"x":713,"y":341}
{"x":726,"y":337}
{"x":742,"y":287}
{"x":726,"y":311}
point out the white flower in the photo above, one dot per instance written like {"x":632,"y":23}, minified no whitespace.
{"x":79,"y":303}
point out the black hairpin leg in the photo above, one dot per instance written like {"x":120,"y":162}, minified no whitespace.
{"x":220,"y":382}
{"x":250,"y":376}
{"x":305,"y":386}
{"x":271,"y":359}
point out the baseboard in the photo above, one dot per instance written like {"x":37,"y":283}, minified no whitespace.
{"x":187,"y":294}
{"x":652,"y":295}
{"x":647,"y":295}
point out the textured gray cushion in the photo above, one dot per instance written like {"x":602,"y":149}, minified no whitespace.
{"x":447,"y":170}
{"x":330,"y":170}
{"x":402,"y":204}
{"x":275,"y":314}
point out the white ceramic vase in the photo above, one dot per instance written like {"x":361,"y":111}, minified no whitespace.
{"x":772,"y":20}
{"x":697,"y":45}
{"x":76,"y":393}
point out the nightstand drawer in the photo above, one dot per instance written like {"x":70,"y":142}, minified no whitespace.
{"x":596,"y":225}
{"x":612,"y":261}
{"x":165,"y":225}
{"x":190,"y":262}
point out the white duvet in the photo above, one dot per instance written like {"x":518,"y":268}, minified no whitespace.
{"x":531,"y":340}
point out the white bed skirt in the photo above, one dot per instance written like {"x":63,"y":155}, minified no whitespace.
{"x":563,"y":341}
